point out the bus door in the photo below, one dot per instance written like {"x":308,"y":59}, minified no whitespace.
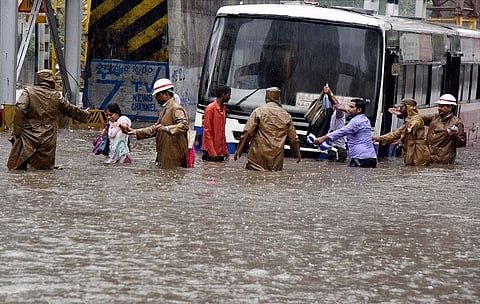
{"x":392,"y":68}
{"x":451,"y":76}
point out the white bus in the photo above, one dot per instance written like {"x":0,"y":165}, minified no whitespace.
{"x":300,"y":48}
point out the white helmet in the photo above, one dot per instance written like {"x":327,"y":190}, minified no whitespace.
{"x":447,"y":99}
{"x":163,"y":84}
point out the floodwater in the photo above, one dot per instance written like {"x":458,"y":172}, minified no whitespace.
{"x":317,"y":232}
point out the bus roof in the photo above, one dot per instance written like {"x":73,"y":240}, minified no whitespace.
{"x":464,"y":32}
{"x":340,"y":15}
{"x":307,"y":12}
{"x":417,"y":26}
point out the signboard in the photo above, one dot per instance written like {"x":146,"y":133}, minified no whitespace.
{"x":27,"y":5}
{"x":470,"y":49}
{"x":40,"y":19}
{"x":127,"y":83}
{"x":303,"y":100}
{"x":414,"y":47}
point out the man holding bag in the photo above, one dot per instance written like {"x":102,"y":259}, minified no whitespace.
{"x":359,"y":138}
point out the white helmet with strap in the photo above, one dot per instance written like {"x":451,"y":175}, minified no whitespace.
{"x":163,"y":84}
{"x":447,"y":99}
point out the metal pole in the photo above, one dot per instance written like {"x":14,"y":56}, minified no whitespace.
{"x":8,"y":51}
{"x":58,"y":49}
{"x":392,"y":8}
{"x":73,"y":45}
{"x":421,"y":9}
{"x":41,"y":46}
{"x":371,"y":5}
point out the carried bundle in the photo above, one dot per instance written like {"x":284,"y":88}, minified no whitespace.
{"x":317,"y":112}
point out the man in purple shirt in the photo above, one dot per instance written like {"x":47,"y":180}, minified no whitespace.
{"x":359,"y":137}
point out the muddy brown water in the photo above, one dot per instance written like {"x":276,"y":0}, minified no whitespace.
{"x":317,"y":232}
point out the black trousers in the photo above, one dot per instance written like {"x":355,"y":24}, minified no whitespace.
{"x":364,"y":163}
{"x":340,"y":155}
{"x":206,"y":157}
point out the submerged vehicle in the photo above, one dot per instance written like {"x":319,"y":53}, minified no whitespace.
{"x":376,"y":58}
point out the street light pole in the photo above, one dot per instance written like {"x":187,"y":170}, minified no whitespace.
{"x":73,"y":46}
{"x":8,"y":51}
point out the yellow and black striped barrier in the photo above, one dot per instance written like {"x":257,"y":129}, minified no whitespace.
{"x":135,"y":30}
{"x":96,"y":120}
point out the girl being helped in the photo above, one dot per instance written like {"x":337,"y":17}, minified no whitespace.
{"x":119,"y":151}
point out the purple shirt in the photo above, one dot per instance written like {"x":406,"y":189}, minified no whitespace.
{"x":359,"y":137}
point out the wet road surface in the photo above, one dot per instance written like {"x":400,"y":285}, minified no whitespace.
{"x":317,"y":232}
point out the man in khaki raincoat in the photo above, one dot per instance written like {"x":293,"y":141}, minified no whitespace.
{"x":445,"y":131}
{"x":171,"y":129}
{"x":35,"y":124}
{"x":267,"y":131}
{"x":411,"y":134}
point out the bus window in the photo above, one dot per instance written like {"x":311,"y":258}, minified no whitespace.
{"x":400,"y":84}
{"x":464,"y":86}
{"x":421,"y":84}
{"x":474,"y":95}
{"x":413,"y":82}
{"x":436,"y":85}
{"x":409,"y":81}
{"x":246,"y":71}
{"x":438,"y":41}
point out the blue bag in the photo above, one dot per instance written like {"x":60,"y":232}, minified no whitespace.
{"x":101,"y":145}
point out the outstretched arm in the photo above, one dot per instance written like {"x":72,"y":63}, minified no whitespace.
{"x":294,"y":142}
{"x":247,"y":135}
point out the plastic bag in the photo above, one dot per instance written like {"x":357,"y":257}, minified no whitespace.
{"x":101,"y":145}
{"x":316,"y":113}
{"x":191,"y":149}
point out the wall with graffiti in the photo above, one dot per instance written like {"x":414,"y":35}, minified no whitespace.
{"x":128,"y":83}
{"x":186,"y":81}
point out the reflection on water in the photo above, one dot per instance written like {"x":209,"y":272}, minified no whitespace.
{"x":317,"y":232}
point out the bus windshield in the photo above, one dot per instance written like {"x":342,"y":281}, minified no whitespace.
{"x":299,"y":57}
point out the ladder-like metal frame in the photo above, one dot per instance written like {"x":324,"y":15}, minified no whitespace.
{"x":52,"y":21}
{"x":22,"y":51}
{"x":458,"y":12}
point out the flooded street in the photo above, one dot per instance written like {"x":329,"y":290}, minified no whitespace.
{"x":317,"y":232}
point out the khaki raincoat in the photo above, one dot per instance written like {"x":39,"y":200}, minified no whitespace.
{"x":412,"y":136}
{"x":172,"y":147}
{"x":35,"y":124}
{"x":266,"y":132}
{"x":443,"y":147}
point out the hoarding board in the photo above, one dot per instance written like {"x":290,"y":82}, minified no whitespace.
{"x":26,"y":6}
{"x":128,"y":83}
